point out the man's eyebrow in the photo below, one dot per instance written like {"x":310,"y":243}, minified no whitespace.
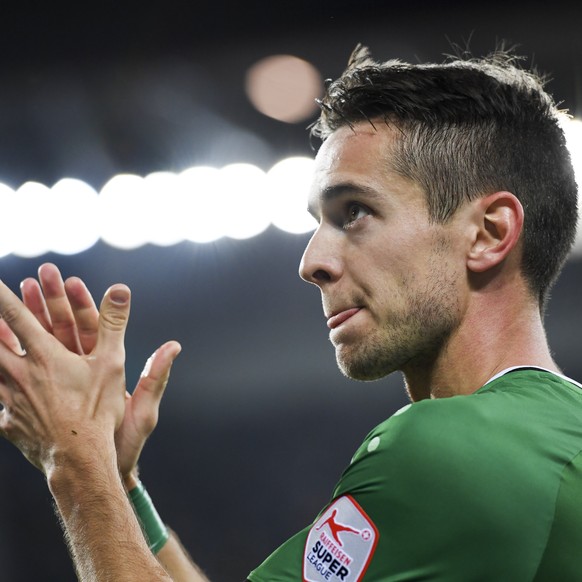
{"x":342,"y":189}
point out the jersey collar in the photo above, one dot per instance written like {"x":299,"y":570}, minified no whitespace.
{"x":513,"y":368}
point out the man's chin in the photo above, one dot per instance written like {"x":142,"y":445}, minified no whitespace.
{"x":363,"y":371}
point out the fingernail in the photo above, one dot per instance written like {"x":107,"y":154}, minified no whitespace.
{"x":119,"y":296}
{"x":148,"y":366}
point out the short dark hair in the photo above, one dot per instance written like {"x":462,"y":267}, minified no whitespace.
{"x":471,"y":127}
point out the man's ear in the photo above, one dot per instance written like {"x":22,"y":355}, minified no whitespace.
{"x":499,"y":224}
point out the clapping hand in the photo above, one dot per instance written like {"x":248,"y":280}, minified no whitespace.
{"x":79,"y":333}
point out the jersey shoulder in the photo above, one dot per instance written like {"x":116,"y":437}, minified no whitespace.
{"x":508,"y":425}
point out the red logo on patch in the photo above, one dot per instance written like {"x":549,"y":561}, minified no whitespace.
{"x":341,"y":543}
{"x":335,"y":527}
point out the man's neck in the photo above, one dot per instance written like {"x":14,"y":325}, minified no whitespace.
{"x":493,"y":336}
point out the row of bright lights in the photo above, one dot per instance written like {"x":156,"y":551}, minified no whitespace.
{"x":201,"y":204}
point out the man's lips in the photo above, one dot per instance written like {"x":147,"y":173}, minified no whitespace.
{"x":338,"y":318}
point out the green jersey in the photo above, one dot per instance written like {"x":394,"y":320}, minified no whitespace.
{"x":480,"y":487}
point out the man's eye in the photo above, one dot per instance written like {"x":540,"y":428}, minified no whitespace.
{"x":354,"y":212}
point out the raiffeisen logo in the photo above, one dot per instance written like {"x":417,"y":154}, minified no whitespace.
{"x":335,"y":528}
{"x":340,"y":544}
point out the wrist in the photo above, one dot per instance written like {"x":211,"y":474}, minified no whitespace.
{"x":131,"y":480}
{"x":81,"y":464}
{"x":155,"y":531}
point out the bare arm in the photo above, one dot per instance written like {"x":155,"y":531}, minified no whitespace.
{"x":67,"y":310}
{"x":81,"y":465}
{"x":104,"y":537}
{"x":61,"y":410}
{"x":176,"y":560}
{"x":173,"y":556}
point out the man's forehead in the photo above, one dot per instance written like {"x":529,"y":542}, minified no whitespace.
{"x":358,"y":150}
{"x":364,"y":142}
{"x":356,"y":159}
{"x":348,"y":136}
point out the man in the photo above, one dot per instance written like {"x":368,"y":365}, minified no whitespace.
{"x":446,"y":204}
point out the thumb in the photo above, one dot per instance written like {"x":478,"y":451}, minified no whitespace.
{"x":113,"y":318}
{"x":153,"y":380}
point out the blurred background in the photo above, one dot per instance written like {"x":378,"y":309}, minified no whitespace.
{"x":257,"y":423}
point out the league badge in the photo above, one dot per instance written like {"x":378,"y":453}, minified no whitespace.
{"x":340,"y":544}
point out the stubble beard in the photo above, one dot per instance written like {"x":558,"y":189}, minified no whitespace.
{"x":414,"y":337}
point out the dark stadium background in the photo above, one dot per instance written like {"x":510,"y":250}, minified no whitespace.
{"x":257,"y":423}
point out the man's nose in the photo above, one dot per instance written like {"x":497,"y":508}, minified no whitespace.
{"x":320,"y":263}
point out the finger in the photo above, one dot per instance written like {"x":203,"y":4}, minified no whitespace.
{"x":152,"y":384}
{"x":34,"y":299}
{"x":85,"y":312}
{"x":5,"y":394}
{"x":62,"y":319}
{"x":10,"y":368}
{"x":158,"y":366}
{"x":8,"y":338}
{"x":3,"y":415}
{"x":113,"y":318}
{"x":27,"y":329}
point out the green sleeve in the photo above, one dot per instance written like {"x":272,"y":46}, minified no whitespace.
{"x":284,"y":563}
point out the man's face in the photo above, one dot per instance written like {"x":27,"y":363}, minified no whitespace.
{"x":390,"y":279}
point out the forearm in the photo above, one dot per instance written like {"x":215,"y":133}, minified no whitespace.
{"x":175,"y":559}
{"x":172,"y":555}
{"x":104,"y":536}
